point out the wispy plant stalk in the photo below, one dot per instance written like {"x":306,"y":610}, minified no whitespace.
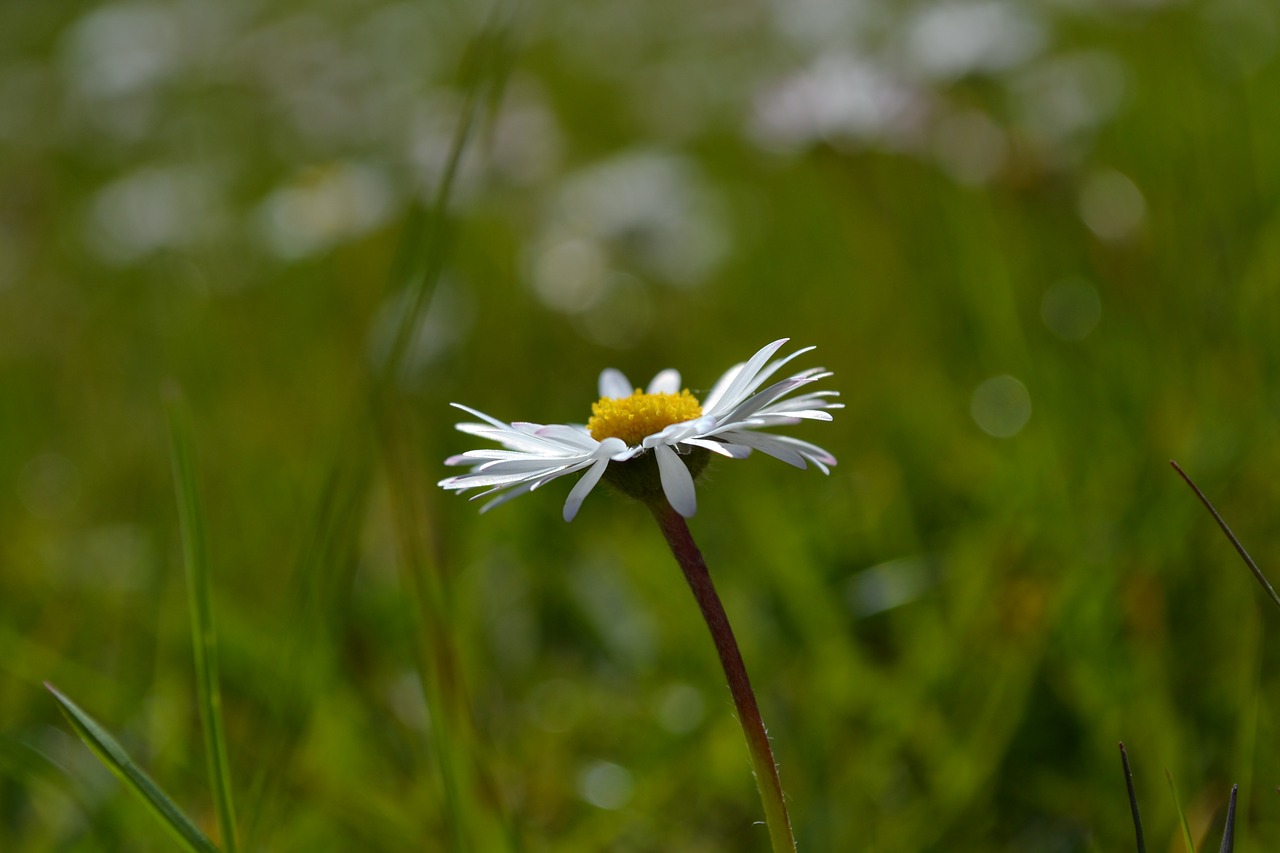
{"x":203,"y":636}
{"x":1244,"y":555}
{"x":1182,"y":816}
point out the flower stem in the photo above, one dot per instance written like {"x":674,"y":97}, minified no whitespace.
{"x":744,"y":699}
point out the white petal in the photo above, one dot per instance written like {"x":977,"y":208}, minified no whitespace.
{"x":722,"y":384}
{"x":790,"y":450}
{"x":518,"y":439}
{"x":583,"y":487}
{"x":742,"y":377}
{"x":506,"y":496}
{"x":666,"y":382}
{"x":614,"y":384}
{"x":568,"y":435}
{"x":677,"y":482}
{"x":774,"y":366}
{"x":612,"y":447}
{"x":674,"y":434}
{"x":475,"y":481}
{"x":733,"y":451}
{"x":481,"y":415}
{"x":521,"y":466}
{"x":761,"y":399}
{"x":772,"y":445}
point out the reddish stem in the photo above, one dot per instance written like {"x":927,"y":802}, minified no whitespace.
{"x":695,"y":572}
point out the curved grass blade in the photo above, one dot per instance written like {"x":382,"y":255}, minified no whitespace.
{"x":203,"y":637}
{"x":1229,"y":832}
{"x":1177,"y":805}
{"x":112,"y":754}
{"x":1244,"y":555}
{"x":1133,"y":799}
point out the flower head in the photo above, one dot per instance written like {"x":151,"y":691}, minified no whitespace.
{"x":651,"y":443}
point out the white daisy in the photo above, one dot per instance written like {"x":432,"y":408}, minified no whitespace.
{"x":632,"y":432}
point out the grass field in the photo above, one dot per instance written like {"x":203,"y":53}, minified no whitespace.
{"x":1037,"y":243}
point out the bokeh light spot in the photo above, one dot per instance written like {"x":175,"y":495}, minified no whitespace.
{"x":970,"y":146}
{"x":606,"y":785}
{"x":556,"y":704}
{"x":1001,"y":406}
{"x":1071,"y":309}
{"x":49,"y":485}
{"x":1112,"y":205}
{"x":569,"y":275}
{"x":680,"y":708}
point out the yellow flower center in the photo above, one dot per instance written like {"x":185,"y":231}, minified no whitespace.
{"x":632,"y":418}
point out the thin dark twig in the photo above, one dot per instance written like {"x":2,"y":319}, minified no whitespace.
{"x":1229,"y":834}
{"x":1133,"y":799}
{"x":1244,"y":555}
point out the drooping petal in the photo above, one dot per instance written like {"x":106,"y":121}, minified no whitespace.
{"x":486,"y":480}
{"x":790,"y":450}
{"x":677,"y":482}
{"x":614,"y":384}
{"x":583,"y":487}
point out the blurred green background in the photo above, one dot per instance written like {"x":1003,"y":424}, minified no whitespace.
{"x":1037,"y":242}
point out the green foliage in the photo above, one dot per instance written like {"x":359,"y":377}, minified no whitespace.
{"x":204,"y":639}
{"x":1039,"y":267}
{"x":133,"y":777}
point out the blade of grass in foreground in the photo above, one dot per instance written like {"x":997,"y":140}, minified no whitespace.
{"x":1177,"y":805}
{"x":1229,"y":831}
{"x":1133,"y":800}
{"x":112,"y":754}
{"x":203,"y":637}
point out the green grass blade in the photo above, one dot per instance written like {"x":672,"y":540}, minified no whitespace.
{"x":203,"y":636}
{"x":1177,"y":805}
{"x":112,"y":754}
{"x":311,"y":625}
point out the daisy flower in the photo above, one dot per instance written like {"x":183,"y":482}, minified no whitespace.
{"x":654,"y":442}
